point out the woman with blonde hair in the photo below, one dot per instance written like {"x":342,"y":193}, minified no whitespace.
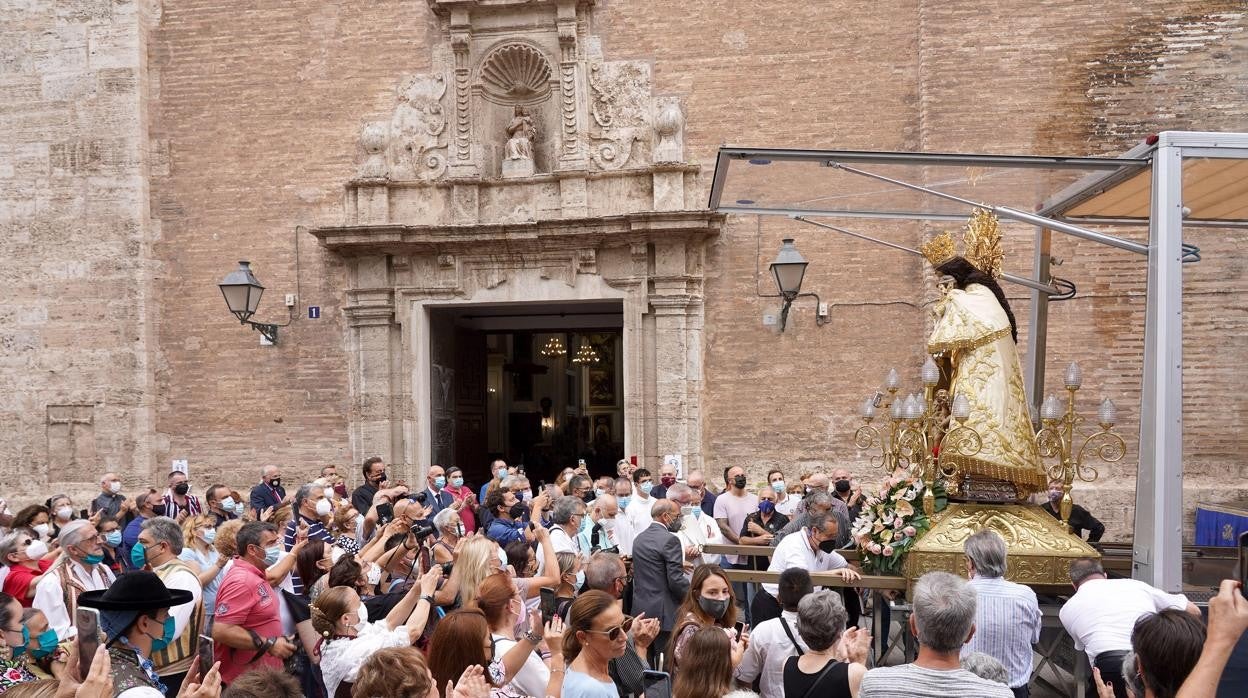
{"x":347,"y":638}
{"x":200,"y":532}
{"x":711,"y":658}
{"x":710,"y":603}
{"x":479,"y":558}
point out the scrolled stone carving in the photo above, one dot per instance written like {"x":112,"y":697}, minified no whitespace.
{"x":417,"y":149}
{"x":613,"y":152}
{"x":516,"y":72}
{"x":373,"y":139}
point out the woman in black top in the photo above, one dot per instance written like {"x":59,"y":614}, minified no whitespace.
{"x":819,"y":671}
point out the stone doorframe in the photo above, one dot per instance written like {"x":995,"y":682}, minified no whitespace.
{"x":652,"y":261}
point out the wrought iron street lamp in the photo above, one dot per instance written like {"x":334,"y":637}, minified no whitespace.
{"x":242,"y":293}
{"x":789,"y":269}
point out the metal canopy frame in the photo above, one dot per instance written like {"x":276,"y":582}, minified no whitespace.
{"x":1158,"y":526}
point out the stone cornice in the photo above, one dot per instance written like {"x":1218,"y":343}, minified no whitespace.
{"x":551,"y":234}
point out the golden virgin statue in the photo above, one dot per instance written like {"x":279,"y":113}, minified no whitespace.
{"x":975,"y":341}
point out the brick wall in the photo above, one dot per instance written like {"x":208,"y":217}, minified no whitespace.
{"x":253,"y":111}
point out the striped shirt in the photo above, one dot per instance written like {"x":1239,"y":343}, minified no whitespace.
{"x":910,"y":681}
{"x":316,"y":531}
{"x":1007,"y":624}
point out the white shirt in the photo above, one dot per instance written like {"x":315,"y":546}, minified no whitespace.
{"x":625,"y":533}
{"x":769,"y":649}
{"x":49,"y":596}
{"x":141,"y":692}
{"x":561,"y":542}
{"x":532,"y":678}
{"x":186,"y":581}
{"x":341,"y":658}
{"x":1102,"y":613}
{"x":794,"y":551}
{"x":638,"y":513}
{"x":1007,"y":624}
{"x":702,"y":531}
{"x":788,"y":504}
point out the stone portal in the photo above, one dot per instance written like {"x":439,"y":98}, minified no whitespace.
{"x":524,"y":169}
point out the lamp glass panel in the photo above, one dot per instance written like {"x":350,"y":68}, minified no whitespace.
{"x":789,"y":276}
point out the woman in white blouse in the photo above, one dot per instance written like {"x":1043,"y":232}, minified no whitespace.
{"x":499,"y":599}
{"x":348,"y":639}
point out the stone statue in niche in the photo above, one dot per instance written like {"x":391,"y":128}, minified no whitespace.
{"x":518,"y":159}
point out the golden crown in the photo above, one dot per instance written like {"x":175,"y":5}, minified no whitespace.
{"x":982,"y":241}
{"x":939,"y":249}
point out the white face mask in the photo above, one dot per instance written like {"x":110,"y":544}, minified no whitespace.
{"x":374,"y":574}
{"x":363,"y":613}
{"x":323,"y":507}
{"x":42,"y":530}
{"x":114,"y":486}
{"x":36,"y":550}
{"x":64,"y":513}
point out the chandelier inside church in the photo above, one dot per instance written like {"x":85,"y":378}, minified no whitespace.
{"x":586,"y":354}
{"x":553,"y":348}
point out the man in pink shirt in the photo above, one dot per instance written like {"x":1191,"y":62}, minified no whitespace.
{"x":248,"y":625}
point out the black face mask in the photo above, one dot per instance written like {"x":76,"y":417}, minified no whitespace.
{"x":379,"y":478}
{"x":588,"y":497}
{"x":181,"y":489}
{"x":518,"y":511}
{"x":739,"y":482}
{"x":828,"y":546}
{"x":275,"y":482}
{"x":842,"y":486}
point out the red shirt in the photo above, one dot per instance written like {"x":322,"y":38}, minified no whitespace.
{"x":465,"y":514}
{"x":17,"y":584}
{"x":245,"y":599}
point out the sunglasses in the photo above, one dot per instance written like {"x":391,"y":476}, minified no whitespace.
{"x":618,"y":631}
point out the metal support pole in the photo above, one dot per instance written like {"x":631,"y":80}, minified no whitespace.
{"x":1038,"y":324}
{"x":1157,"y":556}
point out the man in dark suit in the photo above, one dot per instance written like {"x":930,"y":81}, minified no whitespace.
{"x":436,"y":496}
{"x":269,"y":493}
{"x":659,"y":582}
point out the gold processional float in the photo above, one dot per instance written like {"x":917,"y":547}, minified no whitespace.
{"x":962,"y":455}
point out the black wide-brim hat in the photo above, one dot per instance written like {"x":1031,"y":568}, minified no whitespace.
{"x":135,"y":591}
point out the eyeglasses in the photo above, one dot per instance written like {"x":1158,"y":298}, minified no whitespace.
{"x":618,"y":631}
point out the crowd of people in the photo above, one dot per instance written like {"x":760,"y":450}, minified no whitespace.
{"x":589,"y":587}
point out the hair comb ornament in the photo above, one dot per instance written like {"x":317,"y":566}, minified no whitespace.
{"x":982,"y":240}
{"x":939,"y":249}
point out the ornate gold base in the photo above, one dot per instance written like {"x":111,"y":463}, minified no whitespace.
{"x":1040,"y":548}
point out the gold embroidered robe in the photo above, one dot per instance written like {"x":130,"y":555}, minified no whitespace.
{"x":974,"y":332}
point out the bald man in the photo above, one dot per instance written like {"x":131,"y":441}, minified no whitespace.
{"x":659,"y":583}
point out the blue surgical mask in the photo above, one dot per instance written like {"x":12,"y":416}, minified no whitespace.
{"x":778,"y":486}
{"x":45,"y":644}
{"x":624,"y":501}
{"x":210,"y":536}
{"x":240,"y":509}
{"x":439,"y":482}
{"x":457,"y":481}
{"x":113,"y":538}
{"x":138,"y":555}
{"x":647,"y":486}
{"x":580,"y":580}
{"x":697,"y":512}
{"x":19,"y":650}
{"x":95,"y":559}
{"x":272,"y":554}
{"x":166,"y":636}
{"x":227,"y":504}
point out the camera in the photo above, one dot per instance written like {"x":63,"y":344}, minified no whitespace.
{"x":446,"y":568}
{"x":422,"y":531}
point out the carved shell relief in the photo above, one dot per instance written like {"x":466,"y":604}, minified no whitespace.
{"x":515,"y":73}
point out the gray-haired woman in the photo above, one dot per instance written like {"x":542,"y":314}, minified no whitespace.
{"x":833,"y":665}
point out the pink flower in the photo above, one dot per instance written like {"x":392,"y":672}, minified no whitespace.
{"x":909,"y":530}
{"x":898,"y":535}
{"x":888,"y":551}
{"x":898,"y":522}
{"x":875,"y":548}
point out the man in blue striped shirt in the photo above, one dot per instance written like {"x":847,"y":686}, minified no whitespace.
{"x":310,"y":507}
{"x":1007,"y":616}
